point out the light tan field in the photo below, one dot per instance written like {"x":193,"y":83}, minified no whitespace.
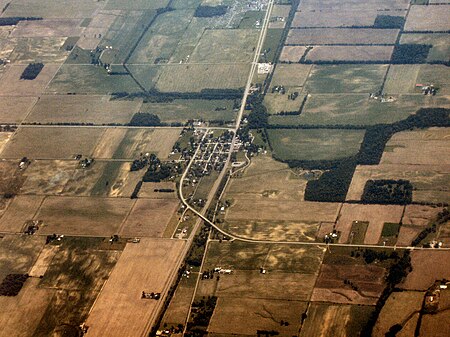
{"x":48,"y":176}
{"x":324,"y":36}
{"x":83,"y":181}
{"x":148,"y":190}
{"x":259,"y":315}
{"x":142,"y":267}
{"x":12,"y":85}
{"x":4,"y":138}
{"x":96,"y":29}
{"x":428,"y":18}
{"x":51,"y":142}
{"x":352,"y":53}
{"x":398,"y":309}
{"x":290,"y":75}
{"x":85,"y":216}
{"x":427,"y":267}
{"x":292,"y":53}
{"x":86,"y":109}
{"x":21,"y":209}
{"x":125,"y":181}
{"x":48,"y":27}
{"x":43,"y":261}
{"x":39,"y":49}
{"x":149,"y":217}
{"x":15,"y":109}
{"x":422,"y":147}
{"x":195,"y":77}
{"x":334,"y":18}
{"x":21,"y":314}
{"x":401,"y":79}
{"x":376,"y":215}
{"x":436,"y":325}
{"x":354,"y":5}
{"x":109,"y":142}
{"x":430,"y":182}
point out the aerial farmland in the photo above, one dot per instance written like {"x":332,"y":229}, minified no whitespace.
{"x":224,"y":168}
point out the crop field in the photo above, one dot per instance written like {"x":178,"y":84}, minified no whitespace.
{"x":15,"y":109}
{"x":334,"y":18}
{"x":290,"y":75}
{"x":149,"y":217}
{"x":51,"y":9}
{"x":440,"y":43}
{"x":51,"y":143}
{"x":41,"y":49}
{"x":438,"y":75}
{"x":195,"y":77}
{"x":426,"y":18}
{"x":48,"y":28}
{"x":144,"y":266}
{"x":12,"y":85}
{"x":355,"y":4}
{"x":423,"y":147}
{"x":375,"y":215}
{"x":276,"y":103}
{"x":87,"y":216}
{"x":350,"y":53}
{"x":401,"y":79}
{"x":320,"y":144}
{"x":225,"y":46}
{"x":86,"y":109}
{"x":292,"y":53}
{"x":97,"y":28}
{"x":87,"y":79}
{"x":345,"y":78}
{"x":47,"y":176}
{"x":160,"y":42}
{"x":435,"y":325}
{"x":400,"y":307}
{"x":335,"y":320}
{"x":428,"y":266}
{"x":136,"y":5}
{"x":259,"y":314}
{"x":356,"y":109}
{"x":31,"y":303}
{"x":334,"y":36}
{"x":21,"y":209}
{"x":183,"y":110}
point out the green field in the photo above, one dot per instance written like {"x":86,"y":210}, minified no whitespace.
{"x":357,"y":109}
{"x":184,"y":110}
{"x":358,"y":232}
{"x":290,"y":75}
{"x":270,"y":45}
{"x":39,"y":49}
{"x":345,"y":78}
{"x":440,"y":43}
{"x":136,"y":4}
{"x":439,"y":75}
{"x":316,"y":144}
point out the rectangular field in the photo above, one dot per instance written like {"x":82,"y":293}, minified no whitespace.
{"x":290,"y":75}
{"x":292,"y":53}
{"x":15,"y":109}
{"x":401,"y":79}
{"x":320,"y":144}
{"x":428,"y":18}
{"x":21,"y":209}
{"x":48,"y":28}
{"x":51,"y":9}
{"x":334,"y":18}
{"x":83,"y":216}
{"x":350,"y":53}
{"x":347,"y":36}
{"x":146,"y":266}
{"x":440,"y":43}
{"x":39,"y":49}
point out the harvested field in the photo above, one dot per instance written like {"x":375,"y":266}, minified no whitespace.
{"x":376,"y":215}
{"x":21,"y":209}
{"x":31,"y":303}
{"x":292,"y":53}
{"x":440,"y":43}
{"x":48,"y":28}
{"x":428,"y":18}
{"x":149,"y":217}
{"x":225,"y":45}
{"x":335,"y":320}
{"x":386,"y":5}
{"x":87,"y":109}
{"x":345,"y":78}
{"x":124,"y":182}
{"x":334,"y":36}
{"x":109,"y":142}
{"x":290,"y":75}
{"x":330,"y":286}
{"x":427,"y":267}
{"x":47,"y":176}
{"x":97,"y":28}
{"x":438,"y":75}
{"x":12,"y":85}
{"x":144,"y":266}
{"x":136,"y":5}
{"x":148,"y":190}
{"x":182,"y":111}
{"x":423,"y":147}
{"x":268,"y":210}
{"x":352,"y":53}
{"x":399,"y":308}
{"x":195,"y":77}
{"x":334,"y":18}
{"x":319,"y":144}
{"x":430,"y":182}
{"x":43,"y":261}
{"x":434,"y":325}
{"x":50,"y":9}
{"x":259,"y":315}
{"x":86,"y":216}
{"x":51,"y":143}
{"x":401,"y":79}
{"x":277,"y":103}
{"x":39,"y":49}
